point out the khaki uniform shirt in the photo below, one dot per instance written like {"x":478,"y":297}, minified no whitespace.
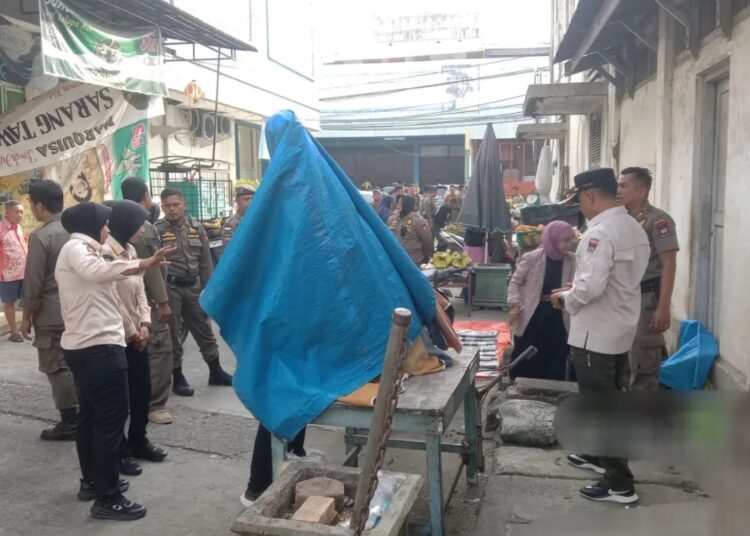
{"x":662,"y":237}
{"x":605,"y":301}
{"x":131,"y":290}
{"x":416,"y":237}
{"x":91,"y":307}
{"x":427,"y":209}
{"x":153,"y":278}
{"x":40,"y":293}
{"x":193,"y":256}
{"x":227,"y":231}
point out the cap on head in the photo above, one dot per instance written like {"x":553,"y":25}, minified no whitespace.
{"x":602,"y":179}
{"x":243,"y":190}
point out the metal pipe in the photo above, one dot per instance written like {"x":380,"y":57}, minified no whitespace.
{"x":216,"y":105}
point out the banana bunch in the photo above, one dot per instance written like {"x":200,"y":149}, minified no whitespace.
{"x":454,"y":228}
{"x":529,"y":228}
{"x":450,"y":259}
{"x":214,"y":224}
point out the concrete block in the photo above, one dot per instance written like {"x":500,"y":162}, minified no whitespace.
{"x":319,"y":487}
{"x":527,"y":422}
{"x":549,"y":391}
{"x":552,"y":463}
{"x":321,"y":510}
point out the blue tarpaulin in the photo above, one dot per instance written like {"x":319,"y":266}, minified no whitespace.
{"x":305,"y":291}
{"x":688,"y":368}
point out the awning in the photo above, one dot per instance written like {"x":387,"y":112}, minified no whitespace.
{"x":565,"y":99}
{"x":541,"y":131}
{"x":601,"y":25}
{"x":176,"y":24}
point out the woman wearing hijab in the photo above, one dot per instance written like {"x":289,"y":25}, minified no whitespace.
{"x":412,"y":231}
{"x":126,"y":228}
{"x":534,"y":320}
{"x":94,"y":347}
{"x":385,"y":210}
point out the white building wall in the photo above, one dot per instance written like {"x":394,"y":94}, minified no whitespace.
{"x":637,"y":132}
{"x":686,"y":155}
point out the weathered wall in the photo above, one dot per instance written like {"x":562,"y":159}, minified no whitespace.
{"x":638,"y":129}
{"x":686,"y":153}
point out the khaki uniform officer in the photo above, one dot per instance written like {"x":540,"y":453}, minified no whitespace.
{"x":160,"y":342}
{"x":649,"y":347}
{"x":41,"y":305}
{"x":244,"y":198}
{"x":412,"y":231}
{"x":187,"y":274}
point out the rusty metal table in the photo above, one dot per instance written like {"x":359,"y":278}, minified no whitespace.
{"x":426,"y":408}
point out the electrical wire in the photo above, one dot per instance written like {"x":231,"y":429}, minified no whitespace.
{"x":329,"y":114}
{"x":426,"y":86}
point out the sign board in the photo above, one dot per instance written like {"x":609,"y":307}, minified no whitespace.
{"x":65,"y":121}
{"x":78,"y":48}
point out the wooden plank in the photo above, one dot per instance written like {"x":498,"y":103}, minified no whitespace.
{"x":600,"y":21}
{"x":606,"y":74}
{"x":643,"y":37}
{"x":614,"y":60}
{"x":726,"y":17}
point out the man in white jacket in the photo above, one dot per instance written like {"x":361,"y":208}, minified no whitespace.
{"x":604,"y":302}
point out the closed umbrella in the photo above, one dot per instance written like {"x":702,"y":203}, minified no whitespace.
{"x":484,"y":207}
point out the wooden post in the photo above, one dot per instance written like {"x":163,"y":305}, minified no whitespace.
{"x":394,"y":355}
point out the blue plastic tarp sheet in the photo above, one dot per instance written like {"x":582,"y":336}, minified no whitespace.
{"x":305,"y":290}
{"x":688,"y":368}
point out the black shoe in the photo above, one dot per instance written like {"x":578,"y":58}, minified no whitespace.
{"x":87,"y":492}
{"x":218,"y":376}
{"x":120,"y":509}
{"x":180,"y":385}
{"x":601,"y":491}
{"x":583,"y":461}
{"x":128,"y":466}
{"x":149,"y":452}
{"x":248,"y":498}
{"x":65,"y":430}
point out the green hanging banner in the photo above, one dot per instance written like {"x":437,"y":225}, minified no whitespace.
{"x":77,"y":48}
{"x":130,"y":153}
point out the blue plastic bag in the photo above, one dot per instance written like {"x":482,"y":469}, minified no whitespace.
{"x":305,"y":290}
{"x":688,"y":368}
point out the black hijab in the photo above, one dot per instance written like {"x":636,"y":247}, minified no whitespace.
{"x":126,"y":218}
{"x":86,"y":218}
{"x":407,"y":205}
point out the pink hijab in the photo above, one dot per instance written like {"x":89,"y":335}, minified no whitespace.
{"x":554,"y":233}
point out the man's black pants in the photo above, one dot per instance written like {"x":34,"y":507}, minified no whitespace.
{"x":261,"y":470}
{"x":100,"y":375}
{"x":604,"y":372}
{"x":139,"y":393}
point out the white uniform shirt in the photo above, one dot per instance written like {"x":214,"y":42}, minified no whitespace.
{"x":88,"y":299}
{"x":131,"y":290}
{"x":605,"y":301}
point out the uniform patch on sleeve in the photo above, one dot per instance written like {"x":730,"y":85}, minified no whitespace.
{"x":593,"y":244}
{"x":663,"y":229}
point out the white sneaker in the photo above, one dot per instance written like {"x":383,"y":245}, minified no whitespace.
{"x":160,"y":416}
{"x":313,"y":456}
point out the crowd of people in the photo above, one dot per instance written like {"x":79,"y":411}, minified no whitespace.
{"x":107,"y":293}
{"x":414,"y":217}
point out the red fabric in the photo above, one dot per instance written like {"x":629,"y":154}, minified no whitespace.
{"x":503,"y":333}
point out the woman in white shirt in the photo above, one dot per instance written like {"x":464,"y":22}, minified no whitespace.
{"x":126,"y":228}
{"x":94,"y":347}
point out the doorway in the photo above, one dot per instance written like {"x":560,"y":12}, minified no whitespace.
{"x":712,"y":202}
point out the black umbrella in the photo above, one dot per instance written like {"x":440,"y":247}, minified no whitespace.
{"x":484,"y":207}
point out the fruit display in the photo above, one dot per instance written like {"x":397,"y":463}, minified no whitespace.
{"x":454,"y":228}
{"x":450,"y":259}
{"x":529,"y":236}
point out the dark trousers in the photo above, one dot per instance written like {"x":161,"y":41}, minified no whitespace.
{"x":101,"y":379}
{"x":261,"y":470}
{"x":139,"y":393}
{"x":604,"y":372}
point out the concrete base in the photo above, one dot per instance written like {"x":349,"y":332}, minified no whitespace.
{"x":726,"y":377}
{"x":267,"y":515}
